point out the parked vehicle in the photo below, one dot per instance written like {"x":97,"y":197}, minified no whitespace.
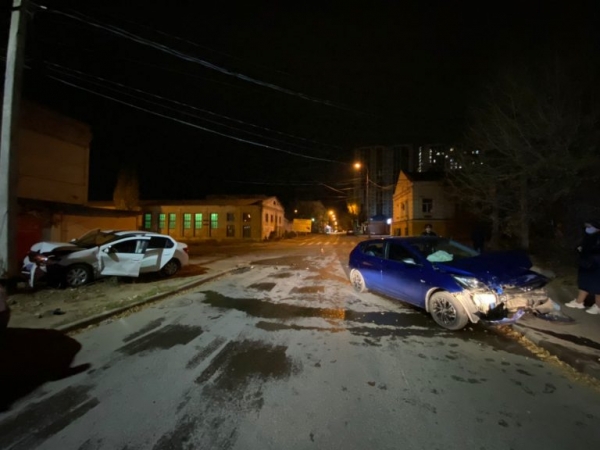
{"x":104,"y":253}
{"x":454,"y":283}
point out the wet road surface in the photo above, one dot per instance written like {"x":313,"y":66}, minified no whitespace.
{"x":284,"y":355}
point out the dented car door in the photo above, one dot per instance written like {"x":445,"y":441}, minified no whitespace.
{"x":123,"y":257}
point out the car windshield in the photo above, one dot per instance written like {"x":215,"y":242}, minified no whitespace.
{"x":95,"y":238}
{"x":442,"y":250}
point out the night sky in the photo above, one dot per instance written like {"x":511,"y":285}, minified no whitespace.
{"x":315,"y":81}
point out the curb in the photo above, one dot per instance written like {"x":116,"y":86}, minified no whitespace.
{"x":582,"y":362}
{"x":88,"y":321}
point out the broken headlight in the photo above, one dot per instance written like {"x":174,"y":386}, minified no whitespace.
{"x":470,"y":283}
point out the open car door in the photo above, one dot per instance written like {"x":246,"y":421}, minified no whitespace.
{"x":124,"y":257}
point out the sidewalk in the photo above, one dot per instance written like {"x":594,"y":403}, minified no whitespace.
{"x":72,"y":309}
{"x":576,"y":343}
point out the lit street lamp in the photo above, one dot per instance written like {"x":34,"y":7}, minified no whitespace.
{"x":359,"y":166}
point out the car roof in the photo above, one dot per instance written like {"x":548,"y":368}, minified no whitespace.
{"x":142,"y":233}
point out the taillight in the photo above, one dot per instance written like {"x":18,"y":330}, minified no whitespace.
{"x":185,"y":249}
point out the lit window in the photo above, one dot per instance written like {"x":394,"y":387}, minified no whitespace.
{"x":161,"y":221}
{"x":187,"y":221}
{"x":214,"y":220}
{"x":246,"y":217}
{"x":148,"y":221}
{"x":198,"y":221}
{"x":172,"y":221}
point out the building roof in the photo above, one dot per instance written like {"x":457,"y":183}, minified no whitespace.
{"x":211,"y":200}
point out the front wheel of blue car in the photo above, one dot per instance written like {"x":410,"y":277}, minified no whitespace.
{"x":447,"y":311}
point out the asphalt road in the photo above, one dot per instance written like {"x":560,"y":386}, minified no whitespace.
{"x":284,"y":355}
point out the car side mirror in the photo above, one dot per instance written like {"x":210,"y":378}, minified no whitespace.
{"x":409,"y":261}
{"x":109,"y":250}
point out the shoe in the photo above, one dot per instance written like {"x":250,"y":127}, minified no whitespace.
{"x":593,"y":310}
{"x":576,"y":305}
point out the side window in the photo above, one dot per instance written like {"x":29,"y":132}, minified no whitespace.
{"x":246,"y":217}
{"x":214,"y":220}
{"x":230,"y":230}
{"x":157,"y":242}
{"x":230,"y":217}
{"x":374,"y":249}
{"x":266,"y":217}
{"x":271,"y":218}
{"x":397,"y":252}
{"x":131,"y":246}
{"x":161,"y":221}
{"x":198,"y":221}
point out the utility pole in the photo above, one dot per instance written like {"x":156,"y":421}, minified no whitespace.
{"x":8,"y":140}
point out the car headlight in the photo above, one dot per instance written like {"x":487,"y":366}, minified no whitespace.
{"x":470,"y":282}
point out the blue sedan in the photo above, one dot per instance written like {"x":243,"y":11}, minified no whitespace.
{"x":452,"y":282}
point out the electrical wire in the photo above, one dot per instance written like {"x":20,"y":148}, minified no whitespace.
{"x":258,"y":144}
{"x":211,"y":113}
{"x":166,"y":49}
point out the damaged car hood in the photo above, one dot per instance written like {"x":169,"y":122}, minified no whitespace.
{"x":48,"y":246}
{"x":497,"y":269}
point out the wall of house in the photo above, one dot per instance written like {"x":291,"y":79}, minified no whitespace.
{"x":53,"y":162}
{"x":409,"y":218}
{"x":232,"y":218}
{"x":71,"y":226}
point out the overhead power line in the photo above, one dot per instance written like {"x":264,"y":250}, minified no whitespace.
{"x":69,"y":72}
{"x":184,"y":122}
{"x":187,"y":57}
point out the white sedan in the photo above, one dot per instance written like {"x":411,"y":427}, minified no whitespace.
{"x":105,"y":253}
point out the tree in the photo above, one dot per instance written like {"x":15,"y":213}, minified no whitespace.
{"x":126,"y":194}
{"x":532,"y":144}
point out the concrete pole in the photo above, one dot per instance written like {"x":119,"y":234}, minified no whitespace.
{"x":8,"y":141}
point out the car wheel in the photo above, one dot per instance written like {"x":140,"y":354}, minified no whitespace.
{"x":447,"y":311}
{"x":358,"y":281}
{"x":78,"y":275}
{"x":170,"y":268}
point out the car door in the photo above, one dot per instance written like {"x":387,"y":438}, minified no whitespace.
{"x":403,"y":274}
{"x":123,"y":257}
{"x":159,"y":252}
{"x":370,"y":264}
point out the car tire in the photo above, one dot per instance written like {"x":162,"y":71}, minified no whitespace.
{"x":78,"y":275}
{"x":358,"y":281}
{"x":170,"y":268}
{"x":447,"y":311}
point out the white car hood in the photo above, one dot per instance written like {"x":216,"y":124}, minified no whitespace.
{"x":47,"y":246}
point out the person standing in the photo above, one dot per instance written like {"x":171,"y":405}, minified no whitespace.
{"x":428,"y":231}
{"x":588,"y":274}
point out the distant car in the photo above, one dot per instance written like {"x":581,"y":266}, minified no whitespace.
{"x":452,"y":282}
{"x":349,"y":232}
{"x":105,"y":253}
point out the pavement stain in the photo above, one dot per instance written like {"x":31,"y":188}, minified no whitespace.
{"x":145,"y":329}
{"x":205,"y":352}
{"x":41,"y":420}
{"x":266,"y":287}
{"x":163,"y":339}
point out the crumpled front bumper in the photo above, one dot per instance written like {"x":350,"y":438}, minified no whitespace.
{"x":507,"y":307}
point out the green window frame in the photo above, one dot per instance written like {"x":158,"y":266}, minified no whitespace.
{"x":148,"y":221}
{"x":187,"y":221}
{"x":162,"y":218}
{"x":172,"y":221}
{"x":214,"y":220}
{"x":198,"y":221}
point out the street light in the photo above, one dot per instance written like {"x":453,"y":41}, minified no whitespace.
{"x":358,"y":166}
